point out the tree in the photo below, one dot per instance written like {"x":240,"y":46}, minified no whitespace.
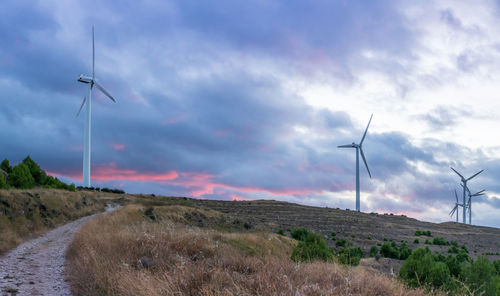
{"x":38,"y":174}
{"x":3,"y":183}
{"x":20,"y":177}
{"x":6,"y":166}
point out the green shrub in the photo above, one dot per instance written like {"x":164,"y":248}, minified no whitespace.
{"x":453,"y":250}
{"x":496,"y":263}
{"x":478,"y":273}
{"x":439,"y":241}
{"x":404,"y":251}
{"x":280,"y":232}
{"x":374,"y":250}
{"x":417,"y":267}
{"x":439,"y":274}
{"x":20,"y":177}
{"x":350,"y":256}
{"x":454,"y":266}
{"x":313,"y":247}
{"x":299,"y":233}
{"x":416,"y":241}
{"x":423,"y":232}
{"x":341,"y":242}
{"x":334,"y":234}
{"x":390,"y":250}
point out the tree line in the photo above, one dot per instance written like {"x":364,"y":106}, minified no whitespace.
{"x":28,"y":174}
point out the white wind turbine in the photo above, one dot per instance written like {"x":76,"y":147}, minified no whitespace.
{"x":359,"y":148}
{"x":469,"y":203}
{"x":91,"y":81}
{"x":464,"y":185}
{"x":457,"y":204}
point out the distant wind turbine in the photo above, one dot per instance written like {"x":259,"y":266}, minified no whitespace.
{"x":91,"y":81}
{"x":359,"y":148}
{"x":457,"y":204}
{"x":469,"y":203}
{"x":464,"y":185}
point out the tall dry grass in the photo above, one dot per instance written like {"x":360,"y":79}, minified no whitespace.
{"x":25,"y":214}
{"x":105,"y":259}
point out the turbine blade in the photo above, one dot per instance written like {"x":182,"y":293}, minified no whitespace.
{"x":345,"y":146}
{"x":83,"y":103}
{"x":366,"y":130}
{"x":478,"y":193}
{"x":364,"y":160}
{"x":462,"y":177}
{"x":475,"y":175}
{"x":104,"y":91}
{"x":93,"y":54}
{"x":453,"y":211}
{"x":456,"y":195}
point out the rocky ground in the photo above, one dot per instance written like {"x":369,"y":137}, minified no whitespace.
{"x":37,"y":266}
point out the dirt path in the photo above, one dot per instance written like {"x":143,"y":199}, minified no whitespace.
{"x":37,"y":266}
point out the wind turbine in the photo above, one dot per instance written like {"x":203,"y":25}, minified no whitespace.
{"x":464,"y":185}
{"x":359,"y":148}
{"x":469,"y":203}
{"x":91,"y":81}
{"x":455,"y":209}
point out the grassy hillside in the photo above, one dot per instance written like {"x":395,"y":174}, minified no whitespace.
{"x":184,"y":250}
{"x":25,"y":214}
{"x":361,"y":229}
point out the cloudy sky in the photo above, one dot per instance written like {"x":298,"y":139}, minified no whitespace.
{"x":239,"y":100}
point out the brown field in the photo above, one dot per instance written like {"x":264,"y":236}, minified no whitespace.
{"x":142,"y":250}
{"x":25,"y":214}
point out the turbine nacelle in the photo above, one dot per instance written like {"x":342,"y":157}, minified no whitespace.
{"x":84,"y":79}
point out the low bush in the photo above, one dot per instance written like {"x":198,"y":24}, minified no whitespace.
{"x":439,"y":241}
{"x":390,"y":250}
{"x":374,"y":250}
{"x":341,"y":243}
{"x":312,"y":247}
{"x":423,"y":233}
{"x":350,"y":256}
{"x":299,"y":233}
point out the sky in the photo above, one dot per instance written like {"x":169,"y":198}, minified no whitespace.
{"x":245,"y":100}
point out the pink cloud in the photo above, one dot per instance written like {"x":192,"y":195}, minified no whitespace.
{"x":118,"y":147}
{"x":111,"y":172}
{"x":238,"y":198}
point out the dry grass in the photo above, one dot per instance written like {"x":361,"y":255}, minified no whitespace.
{"x":104,"y":259}
{"x":25,"y":214}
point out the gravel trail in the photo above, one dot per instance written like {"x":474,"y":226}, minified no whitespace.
{"x":36,"y":267}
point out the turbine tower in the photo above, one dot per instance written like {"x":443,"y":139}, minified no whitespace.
{"x":359,"y":148}
{"x":469,"y":203}
{"x":457,"y":204}
{"x":91,"y":81}
{"x":464,"y":185}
